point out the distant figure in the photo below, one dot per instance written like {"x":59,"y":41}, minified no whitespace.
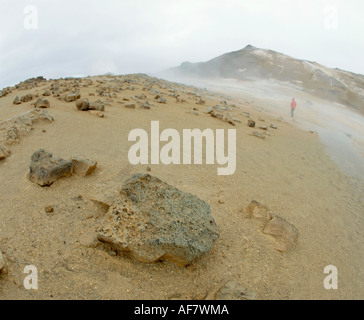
{"x":293,"y":107}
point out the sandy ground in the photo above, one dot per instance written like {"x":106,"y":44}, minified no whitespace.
{"x":290,"y":172}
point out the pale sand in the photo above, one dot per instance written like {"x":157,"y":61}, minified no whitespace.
{"x":289,"y":171}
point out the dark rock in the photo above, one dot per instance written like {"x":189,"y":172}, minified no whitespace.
{"x":26,"y":98}
{"x":98,"y":105}
{"x":251,"y":123}
{"x":82,"y":105}
{"x":47,"y":93}
{"x":153,"y":221}
{"x":73,"y":96}
{"x":46,"y":169}
{"x":42,"y":103}
{"x":16,"y":100}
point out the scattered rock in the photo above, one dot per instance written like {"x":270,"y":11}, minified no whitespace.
{"x":89,"y":239}
{"x":162,"y":100}
{"x":217,"y":115}
{"x":49,"y":209}
{"x":46,"y":169}
{"x":16,"y":100}
{"x":251,"y":123}
{"x":42,"y":103}
{"x":26,"y":98}
{"x":145,"y":105}
{"x":153,"y":221}
{"x":47,"y":93}
{"x":259,"y":213}
{"x":273,"y":126}
{"x":82,"y":105}
{"x":99,"y":114}
{"x":263,"y":127}
{"x":83,"y":166}
{"x":232,"y":290}
{"x":3,"y":267}
{"x":285,"y":233}
{"x":130,"y":106}
{"x":257,"y":134}
{"x":13,"y":129}
{"x":229,"y":119}
{"x":141,"y":97}
{"x":98,"y":105}
{"x":4,"y":152}
{"x":73,"y":96}
{"x":209,"y":110}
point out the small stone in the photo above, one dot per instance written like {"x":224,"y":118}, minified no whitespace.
{"x":16,"y":100}
{"x":46,"y":169}
{"x":263,"y":127}
{"x":285,"y":233}
{"x":273,"y":126}
{"x":42,"y":103}
{"x":259,"y":213}
{"x":98,"y":105}
{"x":209,"y":110}
{"x":47,"y":93}
{"x":83,"y":166}
{"x":99,"y":114}
{"x":26,"y":98}
{"x":3,"y":267}
{"x":217,"y":115}
{"x":73,"y":96}
{"x":49,"y":209}
{"x":233,"y":290}
{"x":130,"y":106}
{"x":89,"y":239}
{"x":257,"y":134}
{"x":145,"y":105}
{"x":251,"y":123}
{"x":82,"y":105}
{"x":4,"y":152}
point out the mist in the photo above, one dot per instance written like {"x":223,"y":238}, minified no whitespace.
{"x":54,"y":39}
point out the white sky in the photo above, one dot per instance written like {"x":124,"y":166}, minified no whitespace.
{"x":88,"y":37}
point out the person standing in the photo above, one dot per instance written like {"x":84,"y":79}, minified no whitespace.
{"x":293,"y":107}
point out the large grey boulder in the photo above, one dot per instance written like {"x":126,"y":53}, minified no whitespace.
{"x":154,"y":221}
{"x":46,"y":169}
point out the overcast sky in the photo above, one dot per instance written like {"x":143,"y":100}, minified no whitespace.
{"x":89,"y":37}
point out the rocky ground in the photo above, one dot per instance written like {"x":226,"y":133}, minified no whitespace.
{"x":97,"y":227}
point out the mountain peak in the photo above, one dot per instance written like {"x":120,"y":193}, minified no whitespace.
{"x":249,"y":47}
